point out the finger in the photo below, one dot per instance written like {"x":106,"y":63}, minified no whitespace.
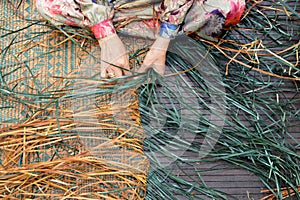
{"x":103,"y":72}
{"x":144,"y":68}
{"x":160,"y":68}
{"x":118,"y":72}
{"x":113,"y":72}
{"x":126,"y":70}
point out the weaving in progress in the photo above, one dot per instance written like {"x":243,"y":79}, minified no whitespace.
{"x":147,"y":99}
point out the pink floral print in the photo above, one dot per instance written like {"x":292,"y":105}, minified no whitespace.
{"x":103,"y":29}
{"x":208,"y":16}
{"x":173,"y":12}
{"x":81,"y":13}
{"x":235,"y":13}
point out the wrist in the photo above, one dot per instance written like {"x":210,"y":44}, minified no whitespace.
{"x":161,"y":43}
{"x":168,"y":31}
{"x":112,"y":37}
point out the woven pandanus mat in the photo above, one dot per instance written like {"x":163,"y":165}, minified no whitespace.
{"x":36,"y":56}
{"x":62,"y":137}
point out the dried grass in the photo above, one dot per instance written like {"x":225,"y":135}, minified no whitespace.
{"x":47,"y":157}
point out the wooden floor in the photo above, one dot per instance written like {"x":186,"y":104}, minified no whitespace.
{"x":240,"y":184}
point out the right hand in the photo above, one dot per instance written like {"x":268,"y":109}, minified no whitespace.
{"x":156,"y":57}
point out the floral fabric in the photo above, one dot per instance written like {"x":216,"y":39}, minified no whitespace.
{"x":168,"y":30}
{"x":184,"y":16}
{"x":82,"y":13}
{"x":103,"y":29}
{"x":174,"y":11}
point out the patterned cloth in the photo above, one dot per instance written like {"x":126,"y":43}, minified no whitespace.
{"x":174,"y":16}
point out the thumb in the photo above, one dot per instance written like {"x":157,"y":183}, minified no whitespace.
{"x":104,"y":66}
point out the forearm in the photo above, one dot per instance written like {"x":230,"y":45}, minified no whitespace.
{"x":161,"y":43}
{"x":82,"y":13}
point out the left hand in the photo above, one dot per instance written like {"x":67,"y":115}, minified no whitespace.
{"x":156,"y":57}
{"x":114,"y":57}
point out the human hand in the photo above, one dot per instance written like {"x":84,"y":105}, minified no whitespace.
{"x":114,"y":57}
{"x":156,"y":57}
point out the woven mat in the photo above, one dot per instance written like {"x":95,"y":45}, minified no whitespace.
{"x":32,"y":61}
{"x":83,"y":137}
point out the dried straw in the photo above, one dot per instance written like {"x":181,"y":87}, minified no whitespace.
{"x":48,"y":158}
